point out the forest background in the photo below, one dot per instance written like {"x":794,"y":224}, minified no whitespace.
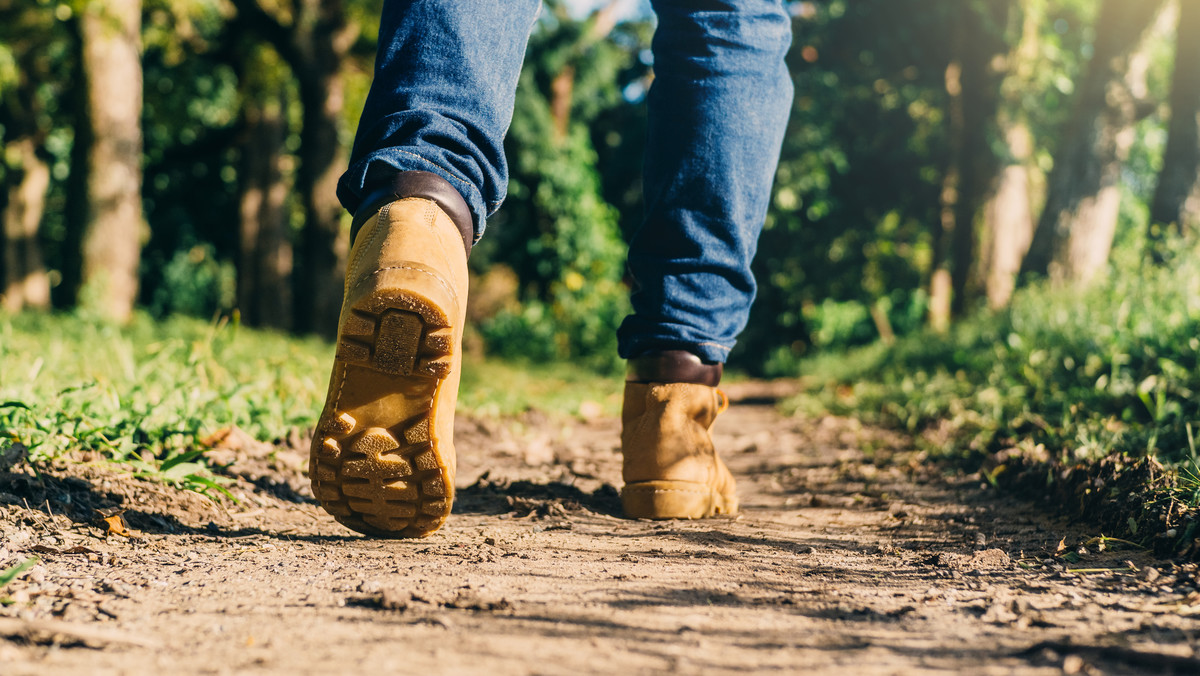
{"x":180,"y":157}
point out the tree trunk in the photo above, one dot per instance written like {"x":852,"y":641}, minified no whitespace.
{"x":315,"y":44}
{"x":970,"y":165}
{"x":940,"y":284}
{"x":982,"y":44}
{"x":26,"y":284}
{"x":1075,"y":233}
{"x":562,"y":91}
{"x":321,"y":40}
{"x":265,"y":251}
{"x":1177,"y":198}
{"x":1008,"y":216}
{"x":111,"y":33}
{"x":75,"y":188}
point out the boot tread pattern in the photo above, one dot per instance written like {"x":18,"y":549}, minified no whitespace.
{"x":386,"y":478}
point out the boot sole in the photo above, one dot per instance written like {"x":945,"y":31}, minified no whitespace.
{"x":674,"y":500}
{"x":376,"y":464}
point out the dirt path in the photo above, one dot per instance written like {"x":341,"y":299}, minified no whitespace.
{"x":851,"y":557}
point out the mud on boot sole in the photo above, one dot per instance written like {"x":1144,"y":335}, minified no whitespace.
{"x":376,"y":463}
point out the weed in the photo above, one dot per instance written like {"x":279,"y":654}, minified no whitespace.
{"x":144,"y":395}
{"x":1110,"y":371}
{"x":10,"y":574}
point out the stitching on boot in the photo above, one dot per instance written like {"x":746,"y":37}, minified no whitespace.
{"x":337,"y":398}
{"x":431,"y":213}
{"x":374,"y":242}
{"x":645,"y":421}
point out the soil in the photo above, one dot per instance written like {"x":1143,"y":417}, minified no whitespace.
{"x":854,"y":554}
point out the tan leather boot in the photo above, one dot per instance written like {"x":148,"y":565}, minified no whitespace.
{"x":671,"y":468}
{"x":382,"y":459}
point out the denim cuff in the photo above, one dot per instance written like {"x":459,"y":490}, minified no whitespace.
{"x":377,"y":171}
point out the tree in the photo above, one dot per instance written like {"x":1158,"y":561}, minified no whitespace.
{"x":111,"y":35}
{"x":1008,"y":217}
{"x":1177,"y":198}
{"x":264,"y":285}
{"x":24,"y":282}
{"x":314,"y":38}
{"x":847,"y":249}
{"x":977,"y":32}
{"x":1075,"y":232}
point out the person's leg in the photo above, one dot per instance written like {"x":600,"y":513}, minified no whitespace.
{"x":718,"y":108}
{"x":427,"y":168}
{"x":442,"y":98}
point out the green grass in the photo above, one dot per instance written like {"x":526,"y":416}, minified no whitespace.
{"x":146,"y":393}
{"x":1107,"y":376}
{"x":9,"y":574}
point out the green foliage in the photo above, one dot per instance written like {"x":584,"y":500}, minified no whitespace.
{"x":1114,"y":369}
{"x":184,"y":470}
{"x":557,"y":232}
{"x":1042,"y":93}
{"x":858,"y":191}
{"x":575,"y":299}
{"x":39,"y":99}
{"x":195,"y":65}
{"x":195,"y":283}
{"x":859,"y":178}
{"x":146,"y":394}
{"x":9,"y":574}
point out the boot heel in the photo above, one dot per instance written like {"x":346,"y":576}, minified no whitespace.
{"x":673,"y":500}
{"x":396,"y":329}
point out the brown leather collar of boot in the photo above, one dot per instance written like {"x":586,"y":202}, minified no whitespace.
{"x":673,"y":366}
{"x":422,"y":184}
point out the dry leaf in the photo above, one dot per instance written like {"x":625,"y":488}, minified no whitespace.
{"x":113,"y":522}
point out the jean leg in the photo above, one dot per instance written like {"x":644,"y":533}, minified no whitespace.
{"x":717,"y":112}
{"x":442,"y":98}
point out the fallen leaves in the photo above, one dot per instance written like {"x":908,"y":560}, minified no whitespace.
{"x":78,"y":549}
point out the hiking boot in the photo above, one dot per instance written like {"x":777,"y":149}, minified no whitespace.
{"x":382,"y":459}
{"x":671,"y":469}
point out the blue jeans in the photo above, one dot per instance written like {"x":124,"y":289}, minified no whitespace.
{"x":442,"y":99}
